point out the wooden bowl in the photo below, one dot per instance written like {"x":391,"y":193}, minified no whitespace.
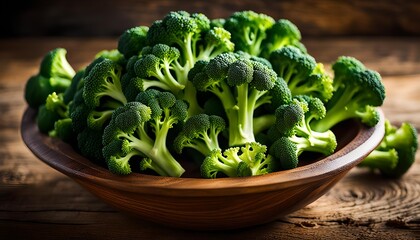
{"x":204,"y":204}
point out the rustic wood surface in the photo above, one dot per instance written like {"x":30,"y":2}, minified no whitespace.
{"x":314,"y":18}
{"x":37,"y":202}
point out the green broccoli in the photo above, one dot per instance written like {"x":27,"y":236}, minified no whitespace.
{"x":292,"y":133}
{"x":55,"y":76}
{"x":282,"y":33}
{"x":192,"y":34}
{"x":242,"y":86}
{"x":159,"y":67}
{"x":55,"y":64}
{"x":249,"y":160}
{"x":103,"y":82}
{"x":396,"y":153}
{"x":318,"y":85}
{"x":129,"y":133}
{"x":132,"y":41}
{"x":200,"y":132}
{"x":301,"y":73}
{"x":46,"y":119}
{"x":248,"y":30}
{"x":358,"y":92}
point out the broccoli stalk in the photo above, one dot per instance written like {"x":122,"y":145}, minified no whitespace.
{"x":127,"y":135}
{"x":396,"y":152}
{"x":242,"y":86}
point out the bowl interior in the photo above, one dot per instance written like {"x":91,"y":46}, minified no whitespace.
{"x":354,"y":142}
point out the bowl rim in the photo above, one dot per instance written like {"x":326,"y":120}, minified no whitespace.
{"x":63,"y":158}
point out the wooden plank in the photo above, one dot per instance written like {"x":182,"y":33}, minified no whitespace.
{"x":320,"y":18}
{"x":35,"y":198}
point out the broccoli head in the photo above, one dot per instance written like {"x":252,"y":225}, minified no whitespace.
{"x":248,"y":30}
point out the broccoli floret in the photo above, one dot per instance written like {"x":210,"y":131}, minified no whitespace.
{"x":46,"y":119}
{"x":318,"y":85}
{"x":55,"y":103}
{"x":154,"y":112}
{"x":55,"y":75}
{"x":113,"y":55}
{"x":37,"y":89}
{"x":248,"y":30}
{"x":249,"y":160}
{"x":282,"y":33}
{"x":63,"y":129}
{"x":192,"y":34}
{"x":279,"y":95}
{"x":292,"y":133}
{"x":89,"y":143}
{"x":161,"y":68}
{"x":396,"y":153}
{"x":358,"y":92}
{"x":55,"y":64}
{"x":293,"y":66}
{"x":242,"y":86}
{"x":132,"y":41}
{"x":103,"y":82}
{"x":74,"y":87}
{"x":200,"y":132}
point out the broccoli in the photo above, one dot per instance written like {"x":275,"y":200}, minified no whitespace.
{"x":46,"y":119}
{"x":63,"y":129}
{"x":113,"y":55}
{"x":242,"y":86}
{"x":103,"y":82}
{"x":396,"y":153}
{"x":301,"y":73}
{"x":54,"y":64}
{"x":292,"y":133}
{"x":358,"y":92}
{"x":282,"y":33}
{"x":132,"y":41}
{"x":159,"y":67}
{"x":200,"y":132}
{"x":99,"y":93}
{"x":249,"y":160}
{"x":74,"y":87}
{"x":55,"y":76}
{"x":192,"y":34}
{"x":53,"y":118}
{"x":318,"y":85}
{"x":248,"y":30}
{"x":128,"y":133}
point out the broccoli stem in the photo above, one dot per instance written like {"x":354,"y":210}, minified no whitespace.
{"x":158,"y":151}
{"x":190,"y":96}
{"x":113,"y":90}
{"x":264,"y":122}
{"x":340,"y":111}
{"x":382,"y":160}
{"x":241,"y":128}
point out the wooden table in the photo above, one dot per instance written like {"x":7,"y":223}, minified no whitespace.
{"x":39,"y":202}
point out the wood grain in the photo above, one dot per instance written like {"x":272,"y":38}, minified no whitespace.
{"x":37,"y":202}
{"x":112,"y":17}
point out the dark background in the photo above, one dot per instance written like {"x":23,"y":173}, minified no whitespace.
{"x":84,"y":18}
